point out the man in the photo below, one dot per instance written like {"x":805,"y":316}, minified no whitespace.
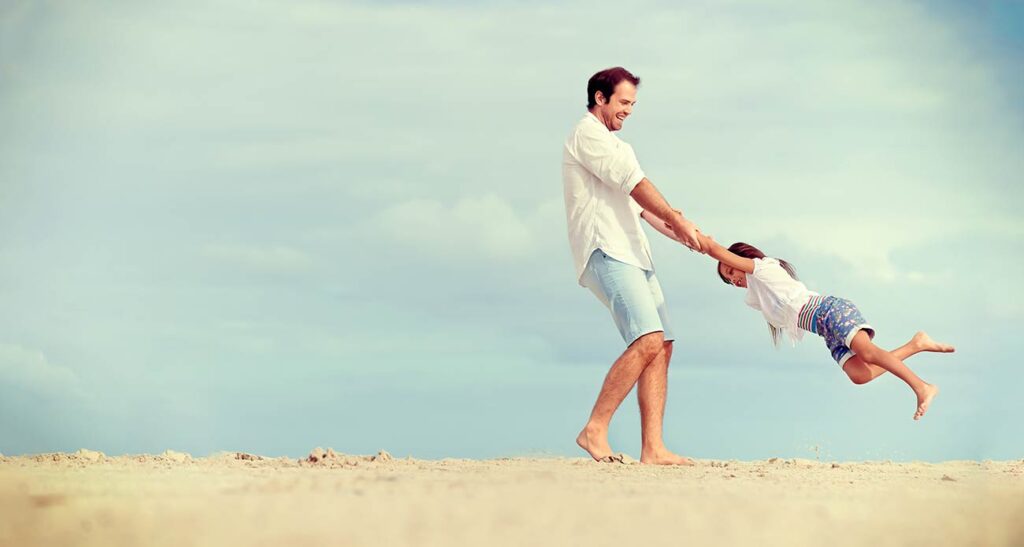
{"x":606,"y":195}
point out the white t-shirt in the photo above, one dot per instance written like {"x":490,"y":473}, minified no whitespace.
{"x":778,"y":296}
{"x":599,"y":171}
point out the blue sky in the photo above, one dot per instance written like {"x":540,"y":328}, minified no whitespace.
{"x":277,"y":225}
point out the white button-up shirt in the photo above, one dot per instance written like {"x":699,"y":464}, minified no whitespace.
{"x":599,"y":171}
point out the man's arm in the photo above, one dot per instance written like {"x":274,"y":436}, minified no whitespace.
{"x":683,"y":230}
{"x":614,"y":163}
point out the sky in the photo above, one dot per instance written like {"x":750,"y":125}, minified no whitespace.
{"x":271,"y":226}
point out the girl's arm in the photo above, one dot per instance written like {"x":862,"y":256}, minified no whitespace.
{"x":724,"y":256}
{"x":668,"y":231}
{"x":707,"y":244}
{"x":683,"y":229}
{"x":659,"y":225}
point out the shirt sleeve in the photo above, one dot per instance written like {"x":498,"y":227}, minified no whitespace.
{"x":751,"y":299}
{"x":636,"y":207}
{"x":763,"y":265}
{"x":609,"y":159}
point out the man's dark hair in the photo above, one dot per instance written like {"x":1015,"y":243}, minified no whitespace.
{"x":605,"y":82}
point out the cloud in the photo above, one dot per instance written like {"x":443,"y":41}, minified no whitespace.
{"x":471,"y":228}
{"x":863,"y":246}
{"x":28,"y":369}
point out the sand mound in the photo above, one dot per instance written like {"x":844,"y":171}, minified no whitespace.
{"x":177,"y":457}
{"x":329,"y":458}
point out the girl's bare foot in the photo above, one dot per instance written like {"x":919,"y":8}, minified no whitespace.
{"x":594,"y":440}
{"x":924,"y":398}
{"x":925,"y":343}
{"x":664,"y":457}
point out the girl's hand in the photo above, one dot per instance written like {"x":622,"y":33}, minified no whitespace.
{"x":685,"y":231}
{"x":707,"y":243}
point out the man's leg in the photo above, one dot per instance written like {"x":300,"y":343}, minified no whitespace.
{"x":652,"y":390}
{"x":617,"y":384}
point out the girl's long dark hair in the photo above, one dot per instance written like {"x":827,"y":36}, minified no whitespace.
{"x":749,"y":251}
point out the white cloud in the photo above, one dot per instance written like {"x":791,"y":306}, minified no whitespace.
{"x":29,"y":369}
{"x":485,"y":227}
{"x":866,"y":244}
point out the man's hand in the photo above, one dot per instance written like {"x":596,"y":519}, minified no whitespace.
{"x":685,"y":231}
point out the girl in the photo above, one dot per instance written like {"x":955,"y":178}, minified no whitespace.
{"x":787,"y":305}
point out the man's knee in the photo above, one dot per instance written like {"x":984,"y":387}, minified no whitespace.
{"x":649,"y":345}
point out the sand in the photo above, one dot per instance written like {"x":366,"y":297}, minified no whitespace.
{"x":88,"y":498}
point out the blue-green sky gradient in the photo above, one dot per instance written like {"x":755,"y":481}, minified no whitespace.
{"x":268,"y":226}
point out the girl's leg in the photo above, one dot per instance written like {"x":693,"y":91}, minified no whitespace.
{"x":862,"y":373}
{"x":874,"y":355}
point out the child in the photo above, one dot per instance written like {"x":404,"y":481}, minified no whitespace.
{"x":787,"y":305}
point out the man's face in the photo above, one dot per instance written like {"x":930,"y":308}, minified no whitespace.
{"x":612,"y":111}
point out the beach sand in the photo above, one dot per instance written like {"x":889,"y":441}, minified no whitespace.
{"x":87,"y":498}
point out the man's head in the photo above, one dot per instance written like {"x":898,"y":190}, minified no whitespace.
{"x":611,"y":95}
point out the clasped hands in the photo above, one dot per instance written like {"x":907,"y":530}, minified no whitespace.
{"x":688,"y":234}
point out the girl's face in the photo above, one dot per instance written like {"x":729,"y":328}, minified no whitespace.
{"x":736,"y":277}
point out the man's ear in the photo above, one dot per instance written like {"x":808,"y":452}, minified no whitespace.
{"x":599,"y":98}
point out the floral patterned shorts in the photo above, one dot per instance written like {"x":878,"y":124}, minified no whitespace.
{"x":837,"y":320}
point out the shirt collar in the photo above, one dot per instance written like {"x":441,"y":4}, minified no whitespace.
{"x":595,"y":118}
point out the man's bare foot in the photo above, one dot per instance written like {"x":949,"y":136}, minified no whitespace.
{"x":663,"y":457}
{"x":925,"y":343}
{"x":924,"y":398}
{"x":595,"y":441}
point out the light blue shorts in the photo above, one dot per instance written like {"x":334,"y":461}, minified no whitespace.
{"x":632,"y":294}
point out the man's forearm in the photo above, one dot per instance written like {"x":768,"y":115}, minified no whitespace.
{"x":652,"y":201}
{"x":684,"y":230}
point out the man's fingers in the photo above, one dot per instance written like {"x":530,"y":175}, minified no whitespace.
{"x":694,"y":241}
